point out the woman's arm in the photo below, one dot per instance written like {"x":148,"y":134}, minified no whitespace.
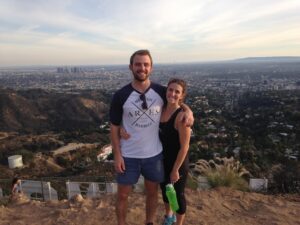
{"x":184,"y":139}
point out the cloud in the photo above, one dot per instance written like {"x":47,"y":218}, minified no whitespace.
{"x":177,"y":29}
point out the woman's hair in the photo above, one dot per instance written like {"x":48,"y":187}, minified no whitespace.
{"x":182,"y":83}
{"x":14,"y":181}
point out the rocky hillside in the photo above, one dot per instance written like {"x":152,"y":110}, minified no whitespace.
{"x":41,"y":110}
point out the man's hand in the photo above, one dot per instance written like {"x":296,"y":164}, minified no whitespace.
{"x":187,"y":118}
{"x":124,"y":134}
{"x":119,"y":164}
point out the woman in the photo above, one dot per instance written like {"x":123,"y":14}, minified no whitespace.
{"x":175,"y":138}
{"x":16,"y":186}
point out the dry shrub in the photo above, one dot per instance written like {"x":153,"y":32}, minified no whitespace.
{"x":220,"y":172}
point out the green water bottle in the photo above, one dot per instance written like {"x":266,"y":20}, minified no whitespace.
{"x":171,"y":195}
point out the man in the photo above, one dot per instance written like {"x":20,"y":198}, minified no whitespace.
{"x":137,"y":107}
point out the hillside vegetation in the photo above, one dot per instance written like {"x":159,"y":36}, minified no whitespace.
{"x":37,"y":111}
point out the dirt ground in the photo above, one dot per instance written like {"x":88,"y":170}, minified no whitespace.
{"x":220,"y":206}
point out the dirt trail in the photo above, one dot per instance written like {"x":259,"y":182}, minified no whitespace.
{"x":213,"y":207}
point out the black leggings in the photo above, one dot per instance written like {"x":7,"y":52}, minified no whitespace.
{"x":179,"y":188}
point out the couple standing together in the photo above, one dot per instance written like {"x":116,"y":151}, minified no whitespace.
{"x":157,"y":126}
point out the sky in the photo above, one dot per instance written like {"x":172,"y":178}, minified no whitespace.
{"x":101,"y":32}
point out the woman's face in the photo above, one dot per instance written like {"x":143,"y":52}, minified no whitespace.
{"x":174,"y":93}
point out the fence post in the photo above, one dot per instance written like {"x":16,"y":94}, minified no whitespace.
{"x":68,"y":187}
{"x":43,"y":194}
{"x":94,"y":189}
{"x":49,"y":188}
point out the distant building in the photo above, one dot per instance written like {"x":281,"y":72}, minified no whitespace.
{"x":236,"y":151}
{"x":62,"y":70}
{"x":68,"y":70}
{"x":76,"y":70}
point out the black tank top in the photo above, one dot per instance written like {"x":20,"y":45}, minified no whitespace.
{"x":169,"y":137}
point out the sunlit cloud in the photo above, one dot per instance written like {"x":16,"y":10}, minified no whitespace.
{"x":34,"y":31}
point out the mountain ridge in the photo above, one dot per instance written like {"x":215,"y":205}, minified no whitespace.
{"x":41,"y":110}
{"x":270,"y":58}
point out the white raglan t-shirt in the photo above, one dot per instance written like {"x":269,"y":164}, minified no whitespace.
{"x":141,"y":124}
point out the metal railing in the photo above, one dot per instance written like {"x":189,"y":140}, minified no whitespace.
{"x":57,"y":188}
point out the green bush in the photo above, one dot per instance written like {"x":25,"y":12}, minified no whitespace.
{"x":27,"y":156}
{"x":60,"y":160}
{"x":226,"y":178}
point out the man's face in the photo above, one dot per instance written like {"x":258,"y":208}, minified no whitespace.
{"x":141,"y":67}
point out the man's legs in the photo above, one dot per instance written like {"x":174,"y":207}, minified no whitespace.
{"x":151,"y":200}
{"x":121,"y":207}
{"x":125,"y":181}
{"x":153,"y":172}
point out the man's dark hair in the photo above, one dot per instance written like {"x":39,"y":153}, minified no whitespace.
{"x":141,"y":52}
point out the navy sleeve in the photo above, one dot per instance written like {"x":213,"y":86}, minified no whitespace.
{"x":116,"y":106}
{"x":116,"y":110}
{"x":161,"y":90}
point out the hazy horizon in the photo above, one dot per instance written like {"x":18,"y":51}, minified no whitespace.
{"x":262,"y":59}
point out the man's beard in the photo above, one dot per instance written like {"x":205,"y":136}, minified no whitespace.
{"x":138,"y":78}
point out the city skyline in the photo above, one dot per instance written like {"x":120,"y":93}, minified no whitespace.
{"x":74,"y":32}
